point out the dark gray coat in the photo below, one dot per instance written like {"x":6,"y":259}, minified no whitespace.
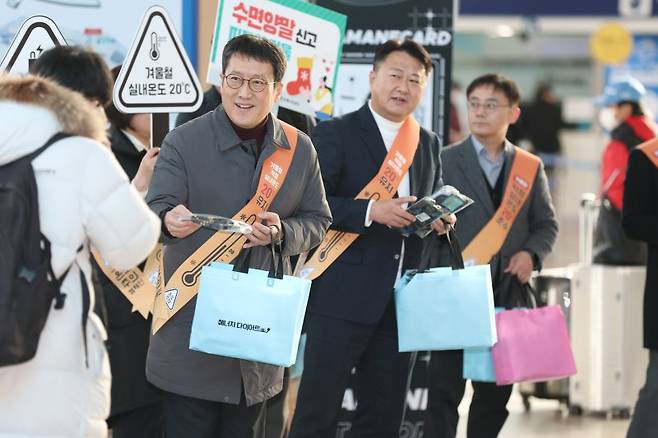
{"x":535,"y":228}
{"x":205,"y":166}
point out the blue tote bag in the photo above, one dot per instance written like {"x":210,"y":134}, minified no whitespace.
{"x":255,"y":316}
{"x":478,"y":362}
{"x":445,"y":308}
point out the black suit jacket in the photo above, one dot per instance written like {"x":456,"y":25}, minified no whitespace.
{"x":640,"y":221}
{"x":359,"y":284}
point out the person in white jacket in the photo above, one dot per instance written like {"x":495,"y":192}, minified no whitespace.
{"x":84,"y":199}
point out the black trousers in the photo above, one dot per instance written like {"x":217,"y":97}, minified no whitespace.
{"x":143,"y":422}
{"x":333,"y":348}
{"x":645,"y":422}
{"x":488,"y":410}
{"x":187,"y":417}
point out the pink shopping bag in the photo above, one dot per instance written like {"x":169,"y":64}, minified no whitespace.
{"x":533,"y":345}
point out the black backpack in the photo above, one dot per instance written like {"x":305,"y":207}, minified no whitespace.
{"x":28,"y":285}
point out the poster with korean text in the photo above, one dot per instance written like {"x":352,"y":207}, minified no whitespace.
{"x":310,"y":36}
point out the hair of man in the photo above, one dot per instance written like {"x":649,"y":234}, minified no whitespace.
{"x":499,"y":83}
{"x":409,"y":46}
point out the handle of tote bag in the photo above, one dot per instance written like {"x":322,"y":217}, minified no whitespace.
{"x":530,"y":295}
{"x":276,"y":264}
{"x":456,"y":259}
{"x":526,"y":295}
{"x":276,"y":267}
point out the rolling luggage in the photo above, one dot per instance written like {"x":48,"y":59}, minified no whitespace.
{"x":606,"y":336}
{"x":606,"y":329}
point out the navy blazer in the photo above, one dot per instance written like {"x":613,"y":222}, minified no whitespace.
{"x":359,"y":284}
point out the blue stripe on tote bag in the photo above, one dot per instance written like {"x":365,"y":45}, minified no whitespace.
{"x":444,"y":308}
{"x":254,"y":316}
{"x":478,"y":362}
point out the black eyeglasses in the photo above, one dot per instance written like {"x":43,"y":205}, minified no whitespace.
{"x":255,"y":84}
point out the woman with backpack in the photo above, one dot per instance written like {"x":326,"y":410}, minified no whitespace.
{"x":84,"y":199}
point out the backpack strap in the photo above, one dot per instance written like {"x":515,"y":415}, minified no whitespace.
{"x":86,"y":304}
{"x":60,"y":298}
{"x":54,"y":139}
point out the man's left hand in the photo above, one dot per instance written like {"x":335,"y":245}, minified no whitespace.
{"x":521,"y":265}
{"x":263,"y":231}
{"x":440,"y":226}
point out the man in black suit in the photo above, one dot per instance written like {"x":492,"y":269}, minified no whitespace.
{"x":351,"y":318}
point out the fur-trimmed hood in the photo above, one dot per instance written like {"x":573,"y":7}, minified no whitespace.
{"x":32,"y":109}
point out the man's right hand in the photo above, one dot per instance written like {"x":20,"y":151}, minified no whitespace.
{"x":177,"y":227}
{"x":391,"y":213}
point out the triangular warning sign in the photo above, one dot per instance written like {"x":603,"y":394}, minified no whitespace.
{"x":35,"y":36}
{"x":157,"y":76}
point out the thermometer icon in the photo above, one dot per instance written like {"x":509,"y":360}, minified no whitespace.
{"x":154,"y":52}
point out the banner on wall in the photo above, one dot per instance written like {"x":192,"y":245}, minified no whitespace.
{"x":310,"y":37}
{"x":429,"y":22}
{"x":103,"y":25}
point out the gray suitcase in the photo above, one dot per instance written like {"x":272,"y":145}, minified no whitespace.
{"x":606,"y":336}
{"x":606,"y":329}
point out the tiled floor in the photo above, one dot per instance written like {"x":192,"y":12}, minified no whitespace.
{"x":547,"y":420}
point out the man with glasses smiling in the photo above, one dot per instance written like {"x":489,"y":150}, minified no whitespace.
{"x":213,"y":165}
{"x":511,"y":226}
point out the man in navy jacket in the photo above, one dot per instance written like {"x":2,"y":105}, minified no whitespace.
{"x":351,"y":319}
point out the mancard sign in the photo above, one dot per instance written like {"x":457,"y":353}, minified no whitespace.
{"x":429,"y":22}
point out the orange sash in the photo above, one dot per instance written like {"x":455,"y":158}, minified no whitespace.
{"x":183,"y":285}
{"x":519,"y":186}
{"x":139,"y":287}
{"x":382,"y":186}
{"x":650,"y":148}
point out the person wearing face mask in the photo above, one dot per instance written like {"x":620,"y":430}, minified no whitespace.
{"x":218,"y":164}
{"x":351,"y":321}
{"x":623,"y":115}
